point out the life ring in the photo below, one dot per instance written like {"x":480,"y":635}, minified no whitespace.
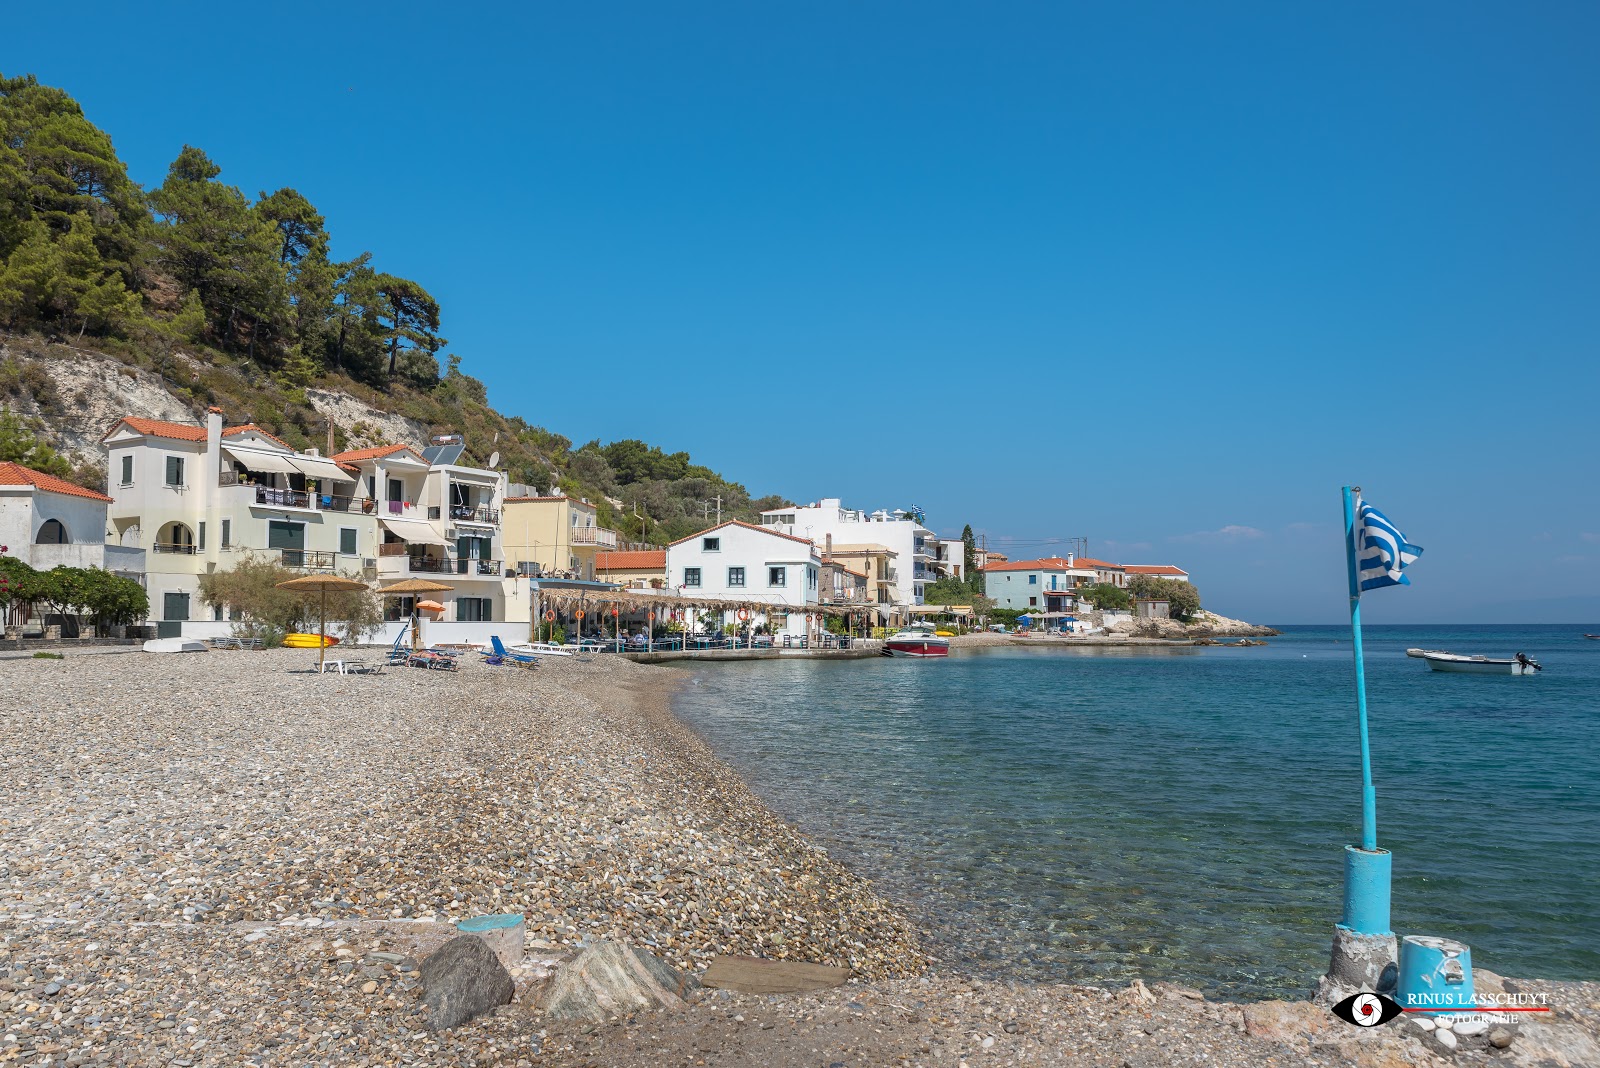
{"x":652,"y":617}
{"x":743,"y":614}
{"x":613,"y":611}
{"x":549,"y":615}
{"x":579,"y":613}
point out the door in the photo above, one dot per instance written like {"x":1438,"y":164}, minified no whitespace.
{"x":471,"y":549}
{"x":290,"y":538}
{"x":174,"y":610}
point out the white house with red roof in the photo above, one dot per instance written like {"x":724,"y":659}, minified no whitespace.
{"x":737,"y":561}
{"x":49,"y":522}
{"x":198,"y":498}
{"x":1161,"y":571}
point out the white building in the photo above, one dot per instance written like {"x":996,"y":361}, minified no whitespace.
{"x":737,"y":561}
{"x":915,"y":546}
{"x":48,"y":522}
{"x":441,"y":521}
{"x":1161,"y":571}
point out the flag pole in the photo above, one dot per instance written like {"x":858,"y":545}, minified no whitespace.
{"x":1367,"y":868}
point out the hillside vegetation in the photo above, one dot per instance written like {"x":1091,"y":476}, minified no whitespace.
{"x":209,"y":297}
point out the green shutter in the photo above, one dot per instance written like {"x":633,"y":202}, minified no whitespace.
{"x":347,"y":541}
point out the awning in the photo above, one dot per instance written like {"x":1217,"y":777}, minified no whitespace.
{"x":412,"y":531}
{"x":254,"y":460}
{"x":315,"y":467}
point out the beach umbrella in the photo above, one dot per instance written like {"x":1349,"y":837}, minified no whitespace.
{"x":322,"y":584}
{"x":409,"y":588}
{"x":429,"y":606}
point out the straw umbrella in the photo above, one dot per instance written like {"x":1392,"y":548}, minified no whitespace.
{"x":322,"y":584}
{"x":409,"y":588}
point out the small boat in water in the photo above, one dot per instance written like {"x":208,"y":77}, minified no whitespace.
{"x":1520,"y":664}
{"x":1593,"y":637}
{"x":916,"y":640}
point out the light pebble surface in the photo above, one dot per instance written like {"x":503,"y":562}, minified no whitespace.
{"x":152,"y":802}
{"x":221,"y":859}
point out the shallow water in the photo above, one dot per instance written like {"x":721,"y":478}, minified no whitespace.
{"x":1180,"y":813}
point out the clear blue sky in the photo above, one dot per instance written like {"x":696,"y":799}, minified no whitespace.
{"x":1177,"y":271}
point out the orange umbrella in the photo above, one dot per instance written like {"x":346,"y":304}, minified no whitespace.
{"x":430,"y":606}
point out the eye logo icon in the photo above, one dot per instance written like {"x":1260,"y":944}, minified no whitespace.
{"x":1366,"y":1010}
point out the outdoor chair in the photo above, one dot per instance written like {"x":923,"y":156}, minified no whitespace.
{"x":505,"y":656}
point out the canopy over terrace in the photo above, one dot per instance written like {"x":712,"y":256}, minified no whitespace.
{"x":960,"y":611}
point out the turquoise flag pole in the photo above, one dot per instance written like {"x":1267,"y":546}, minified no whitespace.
{"x":1367,"y":868}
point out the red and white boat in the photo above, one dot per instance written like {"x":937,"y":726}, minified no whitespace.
{"x":916,"y":640}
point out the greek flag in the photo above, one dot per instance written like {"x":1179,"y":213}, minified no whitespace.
{"x":1382,"y":552}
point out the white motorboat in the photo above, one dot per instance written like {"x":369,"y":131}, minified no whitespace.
{"x":540,"y":649}
{"x":176,"y":645}
{"x":1480,"y":665}
{"x":916,"y":640}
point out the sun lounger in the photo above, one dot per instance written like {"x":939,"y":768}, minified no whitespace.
{"x":432,"y":661}
{"x":507,"y":657}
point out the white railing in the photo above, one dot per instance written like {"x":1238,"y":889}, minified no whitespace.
{"x":594,"y":536}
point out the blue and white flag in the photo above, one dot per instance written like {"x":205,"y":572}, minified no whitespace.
{"x":1382,"y":552}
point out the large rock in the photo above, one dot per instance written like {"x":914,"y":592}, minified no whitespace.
{"x":463,"y":979}
{"x":1290,"y":1022}
{"x":610,"y":979}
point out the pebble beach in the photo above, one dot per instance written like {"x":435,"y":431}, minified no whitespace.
{"x":224,"y":859}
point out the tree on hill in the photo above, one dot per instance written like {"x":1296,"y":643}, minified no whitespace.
{"x":19,"y":445}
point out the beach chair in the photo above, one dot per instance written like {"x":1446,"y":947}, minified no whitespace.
{"x":507,"y":657}
{"x":397,"y":653}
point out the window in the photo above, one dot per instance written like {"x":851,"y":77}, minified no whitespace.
{"x":1032,"y":602}
{"x":474,"y":609}
{"x":711,"y":545}
{"x":51,"y":532}
{"x":347,"y":540}
{"x":397,"y":490}
{"x":736,"y":576}
{"x":811,"y":577}
{"x":174,"y":470}
{"x":200,"y":541}
{"x":227,"y":533}
{"x":777,"y":576}
{"x":691,"y":576}
{"x":1033,"y":580}
{"x":127,"y":470}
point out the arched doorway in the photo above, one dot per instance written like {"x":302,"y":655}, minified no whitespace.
{"x":52,"y":532}
{"x":175,"y":538}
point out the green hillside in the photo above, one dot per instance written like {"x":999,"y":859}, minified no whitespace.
{"x":237,"y":302}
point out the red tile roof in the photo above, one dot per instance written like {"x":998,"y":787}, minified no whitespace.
{"x":634,"y":560}
{"x":17,"y":475}
{"x":1100,"y":565}
{"x":159,"y":428}
{"x":747,"y":526}
{"x":1049,"y":563}
{"x":229,"y":432}
{"x":357,"y":455}
{"x":1154,"y":569}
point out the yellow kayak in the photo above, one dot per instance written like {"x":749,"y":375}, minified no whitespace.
{"x":307,"y":641}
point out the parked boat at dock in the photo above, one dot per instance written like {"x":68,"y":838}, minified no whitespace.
{"x":918,"y":639}
{"x":1477,"y":665}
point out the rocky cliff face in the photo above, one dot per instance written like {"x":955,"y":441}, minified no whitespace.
{"x":1205,"y":625}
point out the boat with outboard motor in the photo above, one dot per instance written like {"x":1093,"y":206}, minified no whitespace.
{"x":1521,"y":664}
{"x":918,"y":639}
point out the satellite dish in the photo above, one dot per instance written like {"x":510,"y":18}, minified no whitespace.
{"x":494,"y":459}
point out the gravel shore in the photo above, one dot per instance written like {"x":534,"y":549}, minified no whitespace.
{"x":221,"y":859}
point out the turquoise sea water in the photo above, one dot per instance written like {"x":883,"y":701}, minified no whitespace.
{"x":1100,"y":814}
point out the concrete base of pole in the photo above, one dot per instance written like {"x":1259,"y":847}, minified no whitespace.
{"x":1359,"y":962}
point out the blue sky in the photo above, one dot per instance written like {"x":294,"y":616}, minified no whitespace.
{"x":1165,"y":275}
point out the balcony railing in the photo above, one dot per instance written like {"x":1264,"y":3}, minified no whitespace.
{"x":324,"y":502}
{"x":433,"y":565}
{"x":594,"y":536}
{"x":478,"y":567}
{"x":393,"y":548}
{"x":469,"y":514}
{"x":309,"y":559}
{"x":182,"y":548}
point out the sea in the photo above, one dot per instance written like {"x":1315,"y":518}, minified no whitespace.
{"x":1179,"y":813}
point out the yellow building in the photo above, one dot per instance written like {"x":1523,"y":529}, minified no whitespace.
{"x":878,"y":562}
{"x":555,"y":536}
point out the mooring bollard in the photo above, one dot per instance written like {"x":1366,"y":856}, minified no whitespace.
{"x":504,"y":933}
{"x":1435,"y":973}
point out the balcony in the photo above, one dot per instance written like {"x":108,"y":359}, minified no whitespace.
{"x":481,"y":568}
{"x":178,"y":547}
{"x":309,"y":559}
{"x":463,"y":513}
{"x":323,"y":502}
{"x":599,"y":536}
{"x":394,"y":548}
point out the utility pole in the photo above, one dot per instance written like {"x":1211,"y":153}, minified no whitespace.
{"x":719,"y":509}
